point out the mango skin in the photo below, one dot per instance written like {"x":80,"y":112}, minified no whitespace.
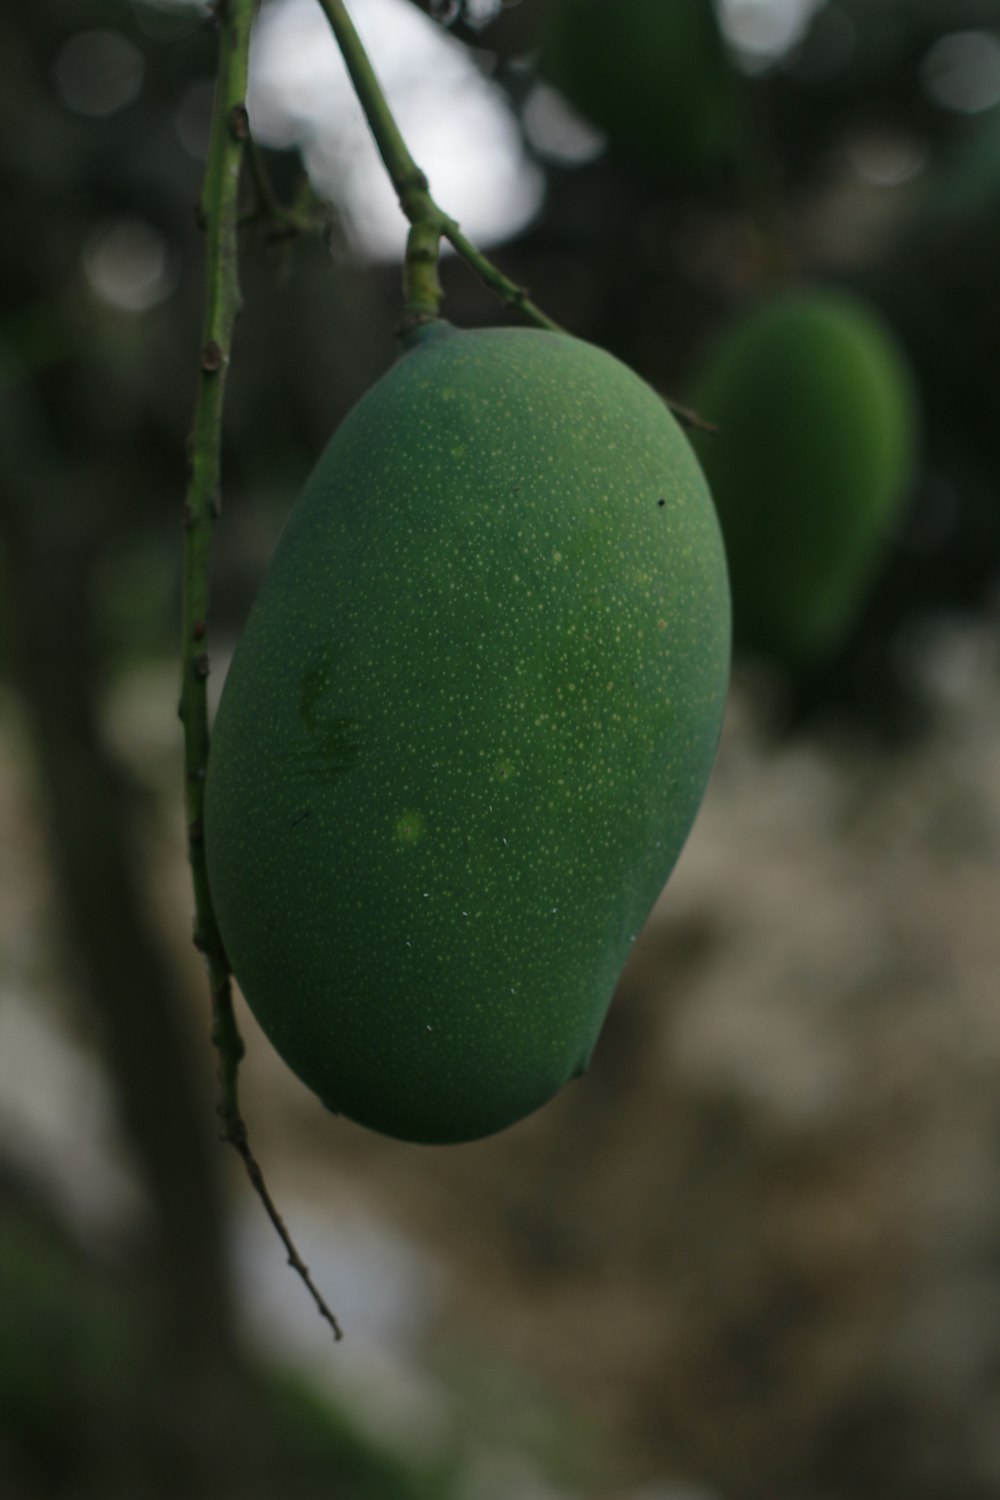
{"x":654,"y":75}
{"x":818,"y":426}
{"x":467,"y":729}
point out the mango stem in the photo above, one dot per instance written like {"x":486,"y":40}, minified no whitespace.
{"x":429,"y":224}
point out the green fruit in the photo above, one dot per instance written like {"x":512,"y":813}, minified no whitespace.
{"x":652,"y":74}
{"x":817,"y":423}
{"x":467,"y":729}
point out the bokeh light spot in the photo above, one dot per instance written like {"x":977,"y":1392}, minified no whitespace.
{"x":962,"y":71}
{"x":557,"y":132}
{"x":127,"y":264}
{"x":98,"y":72}
{"x":459,"y":127}
{"x":763,"y":32}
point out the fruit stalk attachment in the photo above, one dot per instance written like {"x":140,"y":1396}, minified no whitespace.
{"x":429,"y":224}
{"x":219,"y":214}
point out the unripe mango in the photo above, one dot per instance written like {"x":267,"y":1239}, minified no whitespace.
{"x":467,"y":729}
{"x":817,"y":423}
{"x":653,"y":74}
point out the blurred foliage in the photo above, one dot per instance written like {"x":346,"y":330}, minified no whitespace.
{"x":654,"y":77}
{"x":80,"y":1397}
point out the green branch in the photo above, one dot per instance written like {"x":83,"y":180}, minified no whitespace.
{"x":219,"y":213}
{"x":428,"y":223}
{"x":421,"y":286}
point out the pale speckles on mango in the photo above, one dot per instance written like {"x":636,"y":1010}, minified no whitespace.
{"x":410,"y":827}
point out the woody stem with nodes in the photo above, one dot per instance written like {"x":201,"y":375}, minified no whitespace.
{"x":219,"y":214}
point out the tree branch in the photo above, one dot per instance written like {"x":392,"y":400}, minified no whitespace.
{"x":219,"y":212}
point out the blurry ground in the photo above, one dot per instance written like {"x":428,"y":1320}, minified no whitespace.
{"x":756,"y":1253}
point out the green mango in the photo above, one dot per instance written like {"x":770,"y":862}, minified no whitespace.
{"x":467,"y":729}
{"x":654,"y":75}
{"x":817,"y":426}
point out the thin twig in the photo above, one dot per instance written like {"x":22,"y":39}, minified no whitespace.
{"x":514,"y":295}
{"x":219,"y":212}
{"x":688,"y":417}
{"x":286,"y":222}
{"x":240,"y":1141}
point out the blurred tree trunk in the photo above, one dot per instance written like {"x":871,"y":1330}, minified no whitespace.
{"x":49,"y":532}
